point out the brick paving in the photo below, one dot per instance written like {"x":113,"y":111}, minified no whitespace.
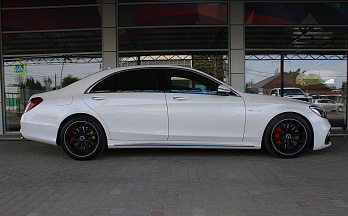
{"x":38,"y":179}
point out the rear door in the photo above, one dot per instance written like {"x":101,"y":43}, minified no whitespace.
{"x":132,"y":105}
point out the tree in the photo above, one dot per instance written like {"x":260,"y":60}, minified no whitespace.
{"x":30,"y":83}
{"x":297,"y":72}
{"x":310,"y":79}
{"x":210,"y":64}
{"x":68,"y":80}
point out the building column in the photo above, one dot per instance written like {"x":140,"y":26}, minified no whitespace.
{"x":109,"y":34}
{"x":237,"y":45}
{"x":2,"y":87}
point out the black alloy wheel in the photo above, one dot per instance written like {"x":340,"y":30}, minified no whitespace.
{"x":287,"y":136}
{"x":82,"y":138}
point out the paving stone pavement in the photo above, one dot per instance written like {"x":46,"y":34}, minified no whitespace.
{"x":39,"y":179}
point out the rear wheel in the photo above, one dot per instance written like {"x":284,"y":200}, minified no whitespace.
{"x":287,"y":136}
{"x":82,"y":138}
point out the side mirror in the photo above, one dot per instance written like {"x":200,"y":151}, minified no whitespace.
{"x":223,"y":90}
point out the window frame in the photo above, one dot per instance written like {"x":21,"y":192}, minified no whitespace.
{"x":89,"y":90}
{"x":163,"y":81}
{"x":218,"y":82}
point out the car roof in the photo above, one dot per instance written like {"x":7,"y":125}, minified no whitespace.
{"x":288,"y":88}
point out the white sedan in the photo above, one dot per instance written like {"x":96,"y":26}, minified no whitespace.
{"x":167,"y":106}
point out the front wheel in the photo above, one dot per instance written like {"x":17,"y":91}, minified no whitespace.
{"x":82,"y":138}
{"x":340,"y":109}
{"x":287,"y":136}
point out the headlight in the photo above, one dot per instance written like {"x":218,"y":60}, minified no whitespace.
{"x":319,"y":111}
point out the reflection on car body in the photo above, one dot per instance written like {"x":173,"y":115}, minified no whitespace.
{"x":167,"y":106}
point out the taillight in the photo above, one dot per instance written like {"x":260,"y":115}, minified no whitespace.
{"x":33,"y":103}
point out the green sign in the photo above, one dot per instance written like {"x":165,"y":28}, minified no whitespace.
{"x":19,"y":68}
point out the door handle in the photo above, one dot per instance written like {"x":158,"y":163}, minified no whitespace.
{"x":98,"y":98}
{"x":179,"y":98}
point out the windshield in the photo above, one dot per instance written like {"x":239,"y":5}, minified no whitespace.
{"x":293,"y":92}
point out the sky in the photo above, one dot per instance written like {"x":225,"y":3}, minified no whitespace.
{"x":257,"y":70}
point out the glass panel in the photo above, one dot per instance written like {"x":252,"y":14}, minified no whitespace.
{"x":173,"y":14}
{"x":41,"y":74}
{"x":187,"y":82}
{"x":323,"y":79}
{"x":296,"y":13}
{"x":173,"y":38}
{"x":50,"y":19}
{"x":296,"y":38}
{"x":130,"y":81}
{"x":132,"y":1}
{"x":37,"y":3}
{"x":52,"y":42}
{"x":212,"y":63}
{"x":319,"y":78}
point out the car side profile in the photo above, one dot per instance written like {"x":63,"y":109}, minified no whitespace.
{"x":329,"y":105}
{"x":168,"y":106}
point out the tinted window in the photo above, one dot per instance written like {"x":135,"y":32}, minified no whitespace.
{"x":274,"y":92}
{"x":130,"y":81}
{"x":293,"y":92}
{"x":188,"y":82}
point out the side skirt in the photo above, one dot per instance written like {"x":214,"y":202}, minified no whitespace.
{"x":182,"y":144}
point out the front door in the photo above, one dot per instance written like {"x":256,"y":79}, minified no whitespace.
{"x":197,"y":113}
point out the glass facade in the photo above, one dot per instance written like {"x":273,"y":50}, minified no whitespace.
{"x":173,"y":38}
{"x":292,"y":44}
{"x":188,"y":34}
{"x":46,"y":45}
{"x":173,"y":14}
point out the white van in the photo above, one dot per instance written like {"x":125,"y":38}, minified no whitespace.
{"x":293,"y":93}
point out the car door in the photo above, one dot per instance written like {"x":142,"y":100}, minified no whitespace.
{"x":132,"y":105}
{"x":197,"y":113}
{"x":332,"y":105}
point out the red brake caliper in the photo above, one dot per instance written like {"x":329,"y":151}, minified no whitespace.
{"x":277,"y":135}
{"x":73,"y":138}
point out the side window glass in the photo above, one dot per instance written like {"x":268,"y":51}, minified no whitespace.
{"x":103,"y":86}
{"x":145,"y":80}
{"x":136,"y":81}
{"x":188,"y":82}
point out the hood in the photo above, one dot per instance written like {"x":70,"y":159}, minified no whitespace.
{"x":272,"y":99}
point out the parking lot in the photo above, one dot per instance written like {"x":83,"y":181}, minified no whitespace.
{"x":39,"y":179}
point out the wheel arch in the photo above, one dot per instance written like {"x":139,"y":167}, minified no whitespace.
{"x":72,"y":116}
{"x":293,"y":113}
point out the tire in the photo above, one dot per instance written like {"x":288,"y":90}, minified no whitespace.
{"x":287,"y":136}
{"x":82,"y":138}
{"x":340,"y":109}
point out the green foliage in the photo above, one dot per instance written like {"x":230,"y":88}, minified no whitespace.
{"x":310,"y":79}
{"x":68,"y":80}
{"x":210,"y":64}
{"x":297,"y":72}
{"x":30,"y":83}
